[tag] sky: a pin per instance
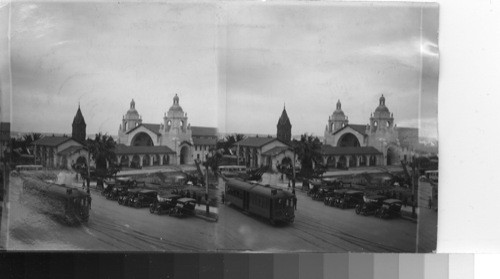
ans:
(233, 65)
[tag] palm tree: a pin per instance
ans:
(101, 148)
(228, 142)
(308, 150)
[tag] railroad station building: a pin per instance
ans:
(380, 142)
(173, 141)
(63, 151)
(268, 151)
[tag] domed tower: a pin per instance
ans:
(130, 120)
(337, 120)
(176, 132)
(175, 119)
(79, 126)
(284, 128)
(382, 119)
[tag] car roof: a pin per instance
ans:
(147, 191)
(354, 192)
(392, 201)
(186, 200)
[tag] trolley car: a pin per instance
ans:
(69, 204)
(273, 204)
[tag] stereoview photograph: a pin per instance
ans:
(220, 126)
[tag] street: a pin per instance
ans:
(112, 227)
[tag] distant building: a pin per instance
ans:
(63, 151)
(173, 141)
(268, 151)
(378, 143)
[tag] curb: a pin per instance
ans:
(209, 219)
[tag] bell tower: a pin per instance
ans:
(284, 128)
(79, 126)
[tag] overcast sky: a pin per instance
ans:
(232, 65)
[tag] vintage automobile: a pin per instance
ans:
(126, 197)
(183, 207)
(314, 187)
(116, 192)
(333, 198)
(108, 188)
(163, 204)
(391, 208)
(350, 199)
(322, 193)
(370, 205)
(144, 198)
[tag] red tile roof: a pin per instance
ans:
(51, 141)
(204, 141)
(365, 150)
(203, 131)
(255, 141)
(129, 150)
(276, 150)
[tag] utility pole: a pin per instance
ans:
(413, 185)
(206, 187)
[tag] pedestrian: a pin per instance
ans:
(90, 202)
(223, 197)
(198, 199)
(295, 202)
(430, 202)
(405, 201)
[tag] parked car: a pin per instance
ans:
(163, 204)
(116, 192)
(144, 198)
(126, 197)
(333, 198)
(370, 205)
(350, 199)
(391, 208)
(184, 207)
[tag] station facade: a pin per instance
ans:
(172, 142)
(380, 142)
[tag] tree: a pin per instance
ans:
(101, 149)
(308, 150)
(213, 161)
(228, 142)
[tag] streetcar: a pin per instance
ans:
(68, 204)
(273, 204)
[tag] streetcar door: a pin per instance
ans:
(246, 200)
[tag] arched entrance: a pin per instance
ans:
(348, 140)
(136, 161)
(330, 161)
(166, 159)
(81, 161)
(392, 156)
(124, 162)
(342, 163)
(184, 156)
(142, 139)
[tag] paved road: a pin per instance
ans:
(113, 227)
